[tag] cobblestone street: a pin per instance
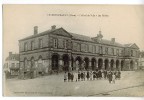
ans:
(131, 84)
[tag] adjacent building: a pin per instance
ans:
(11, 64)
(59, 50)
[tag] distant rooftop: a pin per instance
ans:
(12, 57)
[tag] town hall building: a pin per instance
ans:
(59, 50)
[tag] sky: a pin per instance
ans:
(125, 23)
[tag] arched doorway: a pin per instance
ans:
(93, 61)
(112, 64)
(122, 65)
(86, 63)
(40, 64)
(106, 64)
(117, 64)
(55, 65)
(131, 65)
(100, 63)
(66, 62)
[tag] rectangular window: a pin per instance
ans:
(106, 50)
(78, 47)
(117, 52)
(40, 43)
(112, 51)
(86, 47)
(17, 65)
(93, 49)
(13, 65)
(55, 43)
(65, 44)
(25, 47)
(131, 52)
(100, 49)
(32, 45)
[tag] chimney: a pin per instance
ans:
(10, 53)
(53, 27)
(35, 30)
(113, 40)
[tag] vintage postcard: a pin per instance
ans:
(73, 50)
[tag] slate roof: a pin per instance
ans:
(87, 38)
(128, 45)
(109, 42)
(13, 56)
(80, 37)
(39, 34)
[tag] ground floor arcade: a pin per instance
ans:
(57, 62)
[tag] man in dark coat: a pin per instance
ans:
(100, 74)
(97, 76)
(79, 75)
(105, 74)
(94, 75)
(119, 74)
(110, 76)
(88, 75)
(72, 76)
(82, 75)
(69, 76)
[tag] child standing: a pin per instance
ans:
(113, 78)
(65, 76)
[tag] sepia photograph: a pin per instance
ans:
(57, 50)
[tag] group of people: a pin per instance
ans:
(92, 75)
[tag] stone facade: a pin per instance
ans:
(59, 50)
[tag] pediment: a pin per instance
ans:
(61, 32)
(134, 46)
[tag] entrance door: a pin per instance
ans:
(65, 62)
(55, 62)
